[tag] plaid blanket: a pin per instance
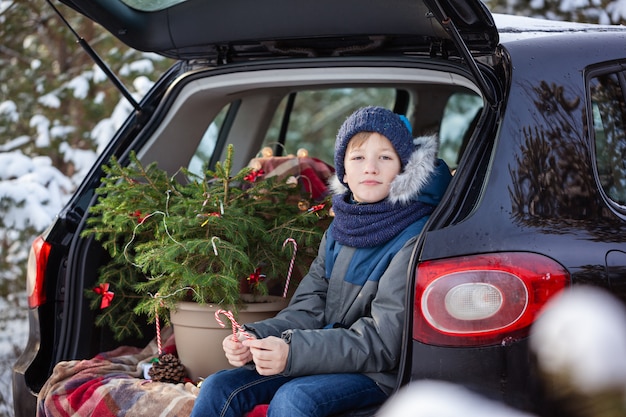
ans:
(112, 385)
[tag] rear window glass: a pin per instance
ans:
(609, 123)
(151, 5)
(205, 150)
(310, 119)
(457, 125)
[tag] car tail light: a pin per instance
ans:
(484, 299)
(35, 274)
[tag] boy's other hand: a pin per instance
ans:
(236, 353)
(269, 354)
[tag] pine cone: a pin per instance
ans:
(168, 369)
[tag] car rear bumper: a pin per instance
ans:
(503, 373)
(27, 369)
(24, 399)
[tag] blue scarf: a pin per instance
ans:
(369, 264)
(370, 225)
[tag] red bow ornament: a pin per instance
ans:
(252, 176)
(139, 216)
(107, 296)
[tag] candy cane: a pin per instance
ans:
(158, 332)
(157, 321)
(293, 259)
(236, 326)
(213, 239)
(158, 325)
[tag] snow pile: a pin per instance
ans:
(443, 399)
(582, 335)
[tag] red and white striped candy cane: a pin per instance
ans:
(158, 332)
(158, 325)
(236, 326)
(293, 259)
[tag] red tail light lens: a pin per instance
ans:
(484, 299)
(35, 274)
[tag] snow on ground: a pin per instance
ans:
(13, 337)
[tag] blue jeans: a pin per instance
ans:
(234, 392)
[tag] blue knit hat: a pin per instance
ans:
(374, 119)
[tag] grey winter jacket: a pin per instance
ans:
(334, 326)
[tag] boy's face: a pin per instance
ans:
(370, 166)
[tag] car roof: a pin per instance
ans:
(189, 29)
(513, 28)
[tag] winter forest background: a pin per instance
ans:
(58, 110)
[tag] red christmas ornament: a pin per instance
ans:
(316, 208)
(253, 175)
(256, 277)
(139, 217)
(107, 296)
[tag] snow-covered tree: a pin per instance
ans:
(606, 12)
(57, 109)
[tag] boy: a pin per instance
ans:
(337, 345)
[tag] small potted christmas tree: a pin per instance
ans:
(218, 240)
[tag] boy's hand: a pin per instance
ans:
(236, 353)
(269, 354)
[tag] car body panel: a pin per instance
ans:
(540, 196)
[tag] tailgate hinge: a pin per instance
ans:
(449, 26)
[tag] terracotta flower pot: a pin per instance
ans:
(199, 336)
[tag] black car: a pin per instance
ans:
(531, 117)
